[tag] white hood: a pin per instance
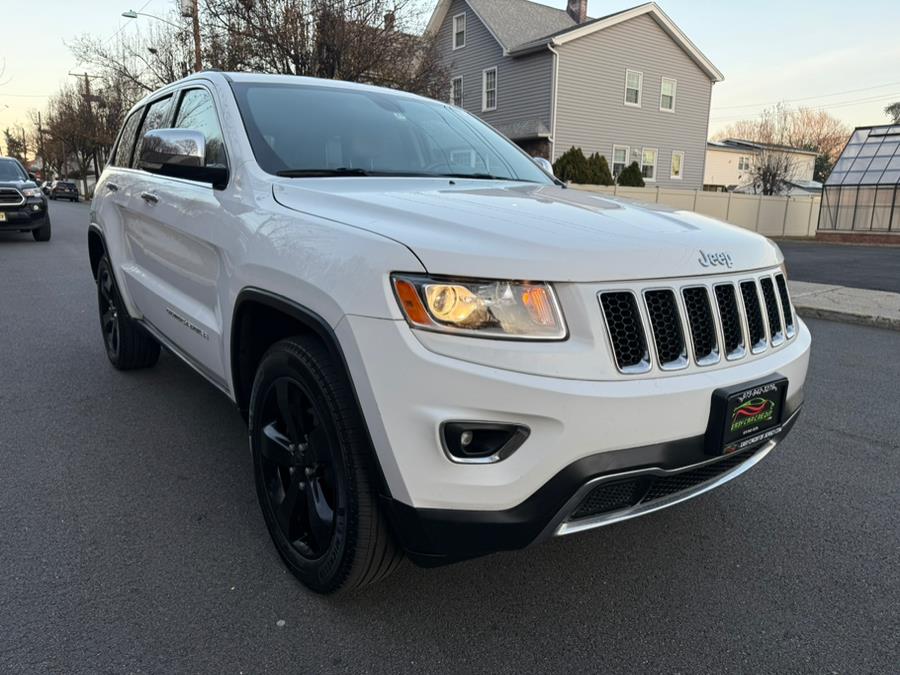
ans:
(477, 228)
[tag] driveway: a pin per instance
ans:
(874, 267)
(131, 540)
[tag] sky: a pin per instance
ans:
(838, 56)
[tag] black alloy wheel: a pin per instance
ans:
(109, 311)
(303, 483)
(128, 345)
(315, 470)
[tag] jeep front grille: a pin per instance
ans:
(672, 327)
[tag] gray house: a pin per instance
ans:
(629, 85)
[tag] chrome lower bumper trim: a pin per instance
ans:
(561, 526)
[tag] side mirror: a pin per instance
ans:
(544, 164)
(32, 177)
(180, 153)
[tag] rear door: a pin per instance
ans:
(175, 231)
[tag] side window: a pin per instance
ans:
(198, 112)
(156, 117)
(126, 140)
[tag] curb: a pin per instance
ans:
(862, 307)
(848, 317)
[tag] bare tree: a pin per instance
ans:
(772, 171)
(893, 111)
(802, 128)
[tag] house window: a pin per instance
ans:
(634, 82)
(667, 94)
(743, 163)
(489, 92)
(459, 31)
(677, 165)
(620, 158)
(648, 163)
(456, 91)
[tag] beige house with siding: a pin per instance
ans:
(729, 163)
(630, 85)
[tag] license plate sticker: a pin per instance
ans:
(746, 415)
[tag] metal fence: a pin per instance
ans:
(771, 216)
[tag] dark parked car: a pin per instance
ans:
(23, 206)
(61, 189)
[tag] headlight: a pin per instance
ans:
(516, 310)
(32, 192)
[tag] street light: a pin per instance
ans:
(194, 14)
(131, 14)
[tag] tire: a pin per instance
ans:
(314, 471)
(128, 345)
(43, 232)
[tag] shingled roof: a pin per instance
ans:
(522, 26)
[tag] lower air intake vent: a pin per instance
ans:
(626, 332)
(622, 494)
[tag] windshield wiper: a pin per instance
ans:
(483, 176)
(321, 173)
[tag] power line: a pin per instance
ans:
(808, 98)
(827, 106)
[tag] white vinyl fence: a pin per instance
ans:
(771, 216)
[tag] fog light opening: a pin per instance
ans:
(481, 442)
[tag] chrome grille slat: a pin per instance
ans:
(786, 309)
(702, 325)
(666, 326)
(625, 328)
(756, 329)
(730, 319)
(773, 311)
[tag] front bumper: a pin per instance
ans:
(24, 217)
(671, 473)
(580, 430)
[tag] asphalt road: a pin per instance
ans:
(873, 267)
(131, 541)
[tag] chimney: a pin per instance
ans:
(577, 9)
(390, 21)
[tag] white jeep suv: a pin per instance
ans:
(439, 349)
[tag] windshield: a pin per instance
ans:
(10, 170)
(308, 130)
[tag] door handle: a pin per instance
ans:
(149, 197)
(112, 187)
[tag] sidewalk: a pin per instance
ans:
(850, 305)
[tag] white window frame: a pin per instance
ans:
(484, 89)
(640, 89)
(455, 31)
(672, 175)
(674, 93)
(655, 164)
(462, 91)
(627, 150)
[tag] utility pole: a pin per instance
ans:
(41, 147)
(89, 98)
(191, 8)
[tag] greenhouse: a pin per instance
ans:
(862, 194)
